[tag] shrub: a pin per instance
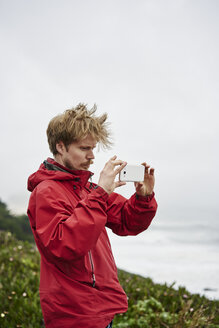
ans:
(150, 305)
(19, 283)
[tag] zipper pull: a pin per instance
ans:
(94, 280)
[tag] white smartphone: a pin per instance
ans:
(132, 173)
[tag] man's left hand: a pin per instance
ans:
(146, 187)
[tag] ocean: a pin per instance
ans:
(184, 252)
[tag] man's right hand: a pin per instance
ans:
(108, 175)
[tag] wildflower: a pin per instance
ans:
(2, 315)
(15, 248)
(191, 310)
(9, 297)
(11, 259)
(13, 293)
(24, 294)
(138, 289)
(185, 296)
(19, 247)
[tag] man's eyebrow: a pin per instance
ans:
(87, 146)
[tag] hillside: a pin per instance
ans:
(150, 305)
(17, 224)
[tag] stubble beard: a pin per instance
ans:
(86, 165)
(83, 166)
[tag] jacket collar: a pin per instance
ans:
(79, 176)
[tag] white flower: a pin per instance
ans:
(24, 294)
(2, 315)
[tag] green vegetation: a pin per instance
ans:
(150, 305)
(19, 283)
(156, 305)
(17, 224)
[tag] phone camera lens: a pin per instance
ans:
(124, 172)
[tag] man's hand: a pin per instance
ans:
(108, 175)
(146, 187)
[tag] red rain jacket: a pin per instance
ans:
(78, 280)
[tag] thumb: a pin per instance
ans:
(119, 183)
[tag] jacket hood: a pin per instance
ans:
(51, 170)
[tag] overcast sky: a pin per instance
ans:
(152, 65)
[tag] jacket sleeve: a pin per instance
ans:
(130, 216)
(65, 231)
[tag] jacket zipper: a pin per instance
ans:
(92, 268)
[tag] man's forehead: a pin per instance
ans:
(89, 141)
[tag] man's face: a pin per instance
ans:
(78, 155)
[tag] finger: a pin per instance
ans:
(152, 171)
(118, 162)
(119, 184)
(119, 169)
(146, 167)
(110, 160)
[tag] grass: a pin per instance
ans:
(160, 305)
(150, 304)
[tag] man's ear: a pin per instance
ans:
(60, 147)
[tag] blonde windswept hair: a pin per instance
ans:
(75, 124)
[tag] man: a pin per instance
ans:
(78, 281)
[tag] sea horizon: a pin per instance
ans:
(179, 253)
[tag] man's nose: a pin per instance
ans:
(90, 155)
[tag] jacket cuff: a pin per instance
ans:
(147, 198)
(102, 192)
